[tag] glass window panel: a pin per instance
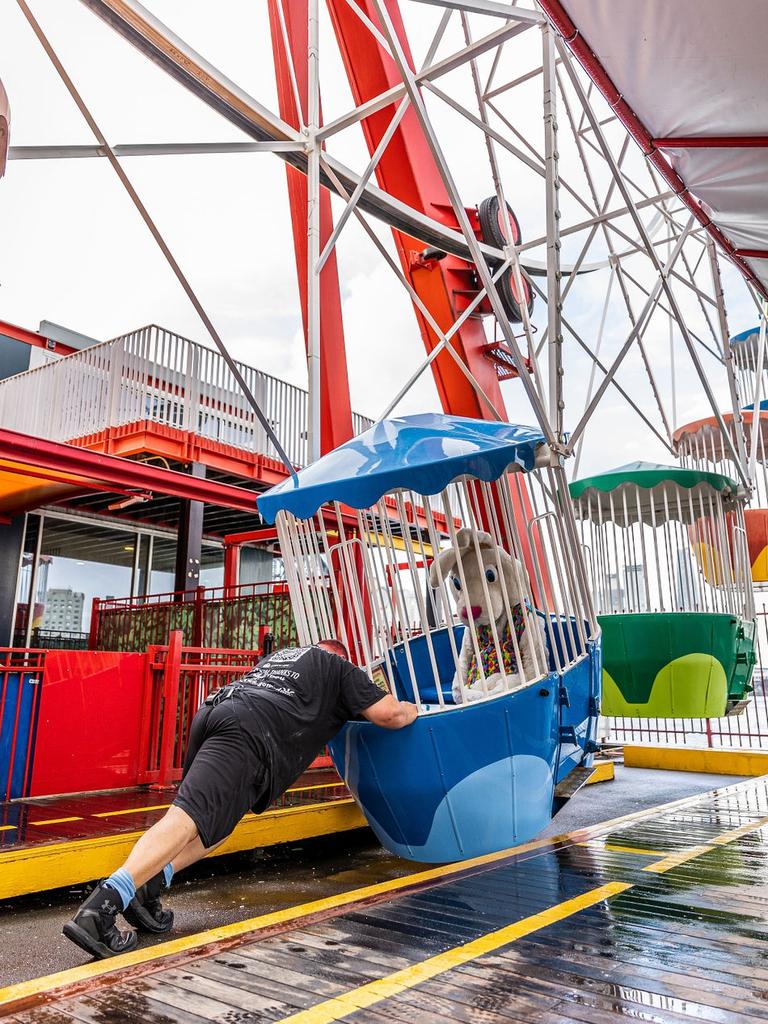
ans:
(80, 561)
(212, 566)
(163, 573)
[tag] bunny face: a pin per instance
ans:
(493, 573)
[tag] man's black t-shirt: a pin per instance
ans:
(296, 700)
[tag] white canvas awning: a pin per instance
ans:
(688, 79)
(5, 121)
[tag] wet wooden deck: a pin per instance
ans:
(660, 917)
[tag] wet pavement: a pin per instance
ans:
(241, 886)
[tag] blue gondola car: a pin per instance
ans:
(358, 532)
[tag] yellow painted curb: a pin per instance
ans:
(603, 771)
(51, 865)
(720, 761)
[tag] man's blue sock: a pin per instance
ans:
(122, 882)
(168, 874)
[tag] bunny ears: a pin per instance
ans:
(464, 548)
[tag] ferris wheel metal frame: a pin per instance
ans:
(408, 183)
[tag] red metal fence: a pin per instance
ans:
(748, 729)
(179, 678)
(235, 618)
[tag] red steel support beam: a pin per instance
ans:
(752, 254)
(95, 471)
(335, 406)
(589, 60)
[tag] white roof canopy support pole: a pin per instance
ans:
(757, 396)
(313, 232)
(512, 256)
(554, 301)
(733, 384)
(661, 270)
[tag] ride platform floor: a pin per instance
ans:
(657, 916)
(55, 841)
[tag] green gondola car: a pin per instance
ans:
(672, 585)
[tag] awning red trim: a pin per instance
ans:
(98, 472)
(591, 64)
(712, 142)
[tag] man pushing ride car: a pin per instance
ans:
(248, 743)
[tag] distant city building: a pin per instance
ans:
(63, 610)
(687, 573)
(634, 581)
(628, 593)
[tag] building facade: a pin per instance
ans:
(152, 396)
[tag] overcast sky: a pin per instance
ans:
(73, 250)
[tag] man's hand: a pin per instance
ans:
(390, 713)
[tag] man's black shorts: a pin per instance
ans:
(223, 775)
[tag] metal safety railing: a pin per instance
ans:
(749, 729)
(179, 678)
(157, 376)
(235, 618)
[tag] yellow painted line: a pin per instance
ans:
(720, 761)
(603, 771)
(55, 821)
(49, 983)
(674, 860)
(6, 828)
(634, 849)
(308, 789)
(383, 988)
(163, 807)
(682, 856)
(130, 810)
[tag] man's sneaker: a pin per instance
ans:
(145, 911)
(93, 926)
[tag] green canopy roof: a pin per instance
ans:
(647, 475)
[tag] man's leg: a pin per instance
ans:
(161, 845)
(93, 927)
(145, 911)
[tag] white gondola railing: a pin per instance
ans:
(669, 567)
(153, 375)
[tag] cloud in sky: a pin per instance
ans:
(74, 251)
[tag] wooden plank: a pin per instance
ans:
(127, 1006)
(271, 1006)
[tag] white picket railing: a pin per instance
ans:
(153, 374)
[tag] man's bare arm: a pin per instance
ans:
(390, 713)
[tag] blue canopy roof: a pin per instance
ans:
(420, 453)
(751, 332)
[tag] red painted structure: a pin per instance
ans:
(79, 470)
